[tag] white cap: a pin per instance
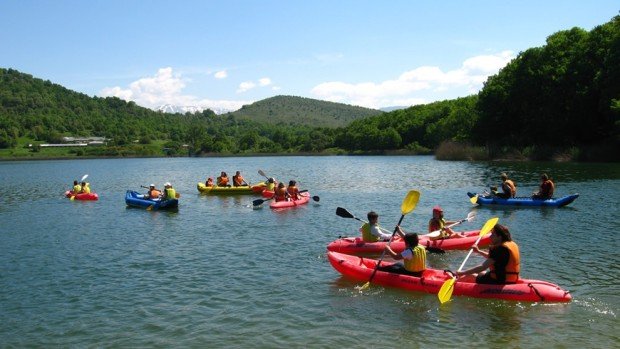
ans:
(152, 185)
(167, 184)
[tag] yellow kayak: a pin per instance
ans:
(215, 190)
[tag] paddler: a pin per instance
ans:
(238, 180)
(509, 188)
(222, 180)
(292, 190)
(502, 260)
(546, 189)
(169, 192)
(271, 184)
(281, 194)
(209, 182)
(439, 223)
(85, 188)
(371, 232)
(77, 188)
(153, 193)
(414, 257)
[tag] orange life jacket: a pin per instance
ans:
(154, 194)
(222, 181)
(238, 180)
(293, 192)
(280, 194)
(514, 263)
(513, 188)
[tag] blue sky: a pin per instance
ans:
(223, 54)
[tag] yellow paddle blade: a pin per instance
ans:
(72, 197)
(149, 208)
(445, 292)
(365, 286)
(488, 226)
(410, 201)
(474, 199)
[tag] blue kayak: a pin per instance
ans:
(524, 201)
(136, 199)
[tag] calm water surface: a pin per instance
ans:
(219, 274)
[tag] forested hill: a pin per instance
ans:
(291, 110)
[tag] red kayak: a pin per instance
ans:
(355, 245)
(304, 198)
(360, 269)
(267, 193)
(82, 196)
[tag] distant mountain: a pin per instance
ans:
(169, 108)
(389, 109)
(291, 110)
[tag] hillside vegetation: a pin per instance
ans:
(558, 101)
(290, 110)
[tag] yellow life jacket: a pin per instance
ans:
(514, 263)
(86, 188)
(416, 263)
(170, 193)
(367, 235)
(270, 186)
(77, 189)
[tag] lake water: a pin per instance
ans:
(218, 273)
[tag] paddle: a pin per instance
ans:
(445, 292)
(474, 199)
(342, 212)
(470, 217)
(81, 180)
(260, 172)
(261, 201)
(409, 203)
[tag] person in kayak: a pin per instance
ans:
(222, 180)
(509, 188)
(293, 191)
(209, 182)
(439, 223)
(281, 194)
(371, 232)
(502, 260)
(77, 188)
(238, 180)
(414, 257)
(169, 192)
(271, 184)
(153, 193)
(546, 189)
(85, 188)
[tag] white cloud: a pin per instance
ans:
(166, 88)
(411, 85)
(245, 86)
(264, 82)
(222, 74)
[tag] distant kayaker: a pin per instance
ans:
(222, 180)
(238, 180)
(85, 188)
(209, 182)
(509, 188)
(414, 257)
(169, 192)
(271, 184)
(439, 223)
(293, 191)
(546, 189)
(281, 194)
(153, 193)
(371, 232)
(77, 188)
(502, 260)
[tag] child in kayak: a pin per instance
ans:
(439, 223)
(292, 190)
(414, 257)
(280, 194)
(371, 232)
